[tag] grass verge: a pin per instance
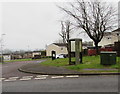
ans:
(89, 62)
(29, 59)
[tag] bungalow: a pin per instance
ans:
(27, 54)
(36, 54)
(16, 56)
(7, 57)
(59, 48)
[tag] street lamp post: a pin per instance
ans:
(2, 48)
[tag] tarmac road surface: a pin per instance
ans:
(80, 84)
(10, 69)
(36, 83)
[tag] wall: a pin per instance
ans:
(108, 40)
(36, 53)
(7, 57)
(59, 50)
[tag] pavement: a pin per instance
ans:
(51, 70)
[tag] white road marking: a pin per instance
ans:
(57, 76)
(27, 76)
(72, 76)
(42, 75)
(39, 78)
(2, 78)
(10, 80)
(13, 77)
(25, 79)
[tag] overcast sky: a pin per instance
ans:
(30, 25)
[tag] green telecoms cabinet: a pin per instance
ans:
(108, 57)
(75, 46)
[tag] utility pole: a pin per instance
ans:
(2, 59)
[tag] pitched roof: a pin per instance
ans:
(36, 51)
(109, 45)
(60, 44)
(113, 32)
(118, 30)
(6, 54)
(28, 52)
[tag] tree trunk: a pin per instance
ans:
(97, 48)
(68, 49)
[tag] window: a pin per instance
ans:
(108, 37)
(61, 48)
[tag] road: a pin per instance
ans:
(10, 69)
(79, 84)
(15, 81)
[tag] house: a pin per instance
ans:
(110, 37)
(16, 56)
(27, 54)
(117, 32)
(36, 54)
(7, 57)
(43, 53)
(59, 48)
(86, 44)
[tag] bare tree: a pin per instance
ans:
(93, 17)
(59, 41)
(65, 32)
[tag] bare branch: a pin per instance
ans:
(94, 18)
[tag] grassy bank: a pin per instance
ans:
(29, 59)
(89, 62)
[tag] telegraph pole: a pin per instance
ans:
(2, 59)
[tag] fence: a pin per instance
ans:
(93, 51)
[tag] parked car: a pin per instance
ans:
(61, 56)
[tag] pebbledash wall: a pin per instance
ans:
(110, 38)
